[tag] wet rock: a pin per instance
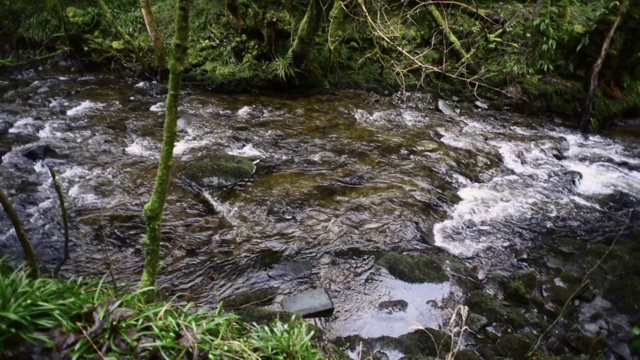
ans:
(289, 270)
(488, 305)
(218, 170)
(4, 127)
(479, 272)
(393, 306)
(423, 342)
(584, 344)
(259, 297)
(413, 269)
(184, 121)
(476, 322)
(39, 152)
(559, 289)
(446, 109)
(521, 287)
(310, 303)
(481, 105)
(427, 146)
(466, 355)
(513, 346)
(622, 349)
(43, 90)
(486, 352)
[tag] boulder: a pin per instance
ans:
(39, 152)
(310, 303)
(218, 170)
(414, 269)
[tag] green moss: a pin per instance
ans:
(413, 269)
(218, 170)
(489, 306)
(520, 287)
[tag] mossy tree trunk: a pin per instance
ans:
(435, 14)
(150, 22)
(123, 35)
(27, 248)
(309, 26)
(585, 116)
(154, 208)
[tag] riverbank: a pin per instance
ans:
(399, 211)
(86, 318)
(535, 57)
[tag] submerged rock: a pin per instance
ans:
(393, 306)
(310, 303)
(414, 269)
(290, 270)
(4, 127)
(218, 170)
(513, 346)
(257, 297)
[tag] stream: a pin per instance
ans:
(342, 179)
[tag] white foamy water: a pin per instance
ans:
(159, 107)
(247, 150)
(25, 126)
(84, 108)
(143, 147)
(557, 173)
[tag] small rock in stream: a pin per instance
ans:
(481, 105)
(39, 152)
(446, 109)
(310, 303)
(218, 170)
(393, 306)
(4, 127)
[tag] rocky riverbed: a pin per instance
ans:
(400, 212)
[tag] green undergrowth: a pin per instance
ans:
(88, 319)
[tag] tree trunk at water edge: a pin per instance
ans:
(585, 116)
(154, 208)
(309, 27)
(150, 22)
(127, 40)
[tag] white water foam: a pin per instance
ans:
(84, 108)
(540, 184)
(143, 147)
(247, 150)
(159, 107)
(25, 126)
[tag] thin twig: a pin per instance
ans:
(65, 220)
(92, 344)
(583, 283)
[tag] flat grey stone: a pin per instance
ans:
(309, 303)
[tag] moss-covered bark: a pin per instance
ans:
(153, 209)
(150, 22)
(585, 117)
(309, 27)
(132, 46)
(450, 35)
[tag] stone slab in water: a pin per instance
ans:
(310, 303)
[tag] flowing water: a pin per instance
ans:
(341, 179)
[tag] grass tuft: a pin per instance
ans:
(86, 319)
